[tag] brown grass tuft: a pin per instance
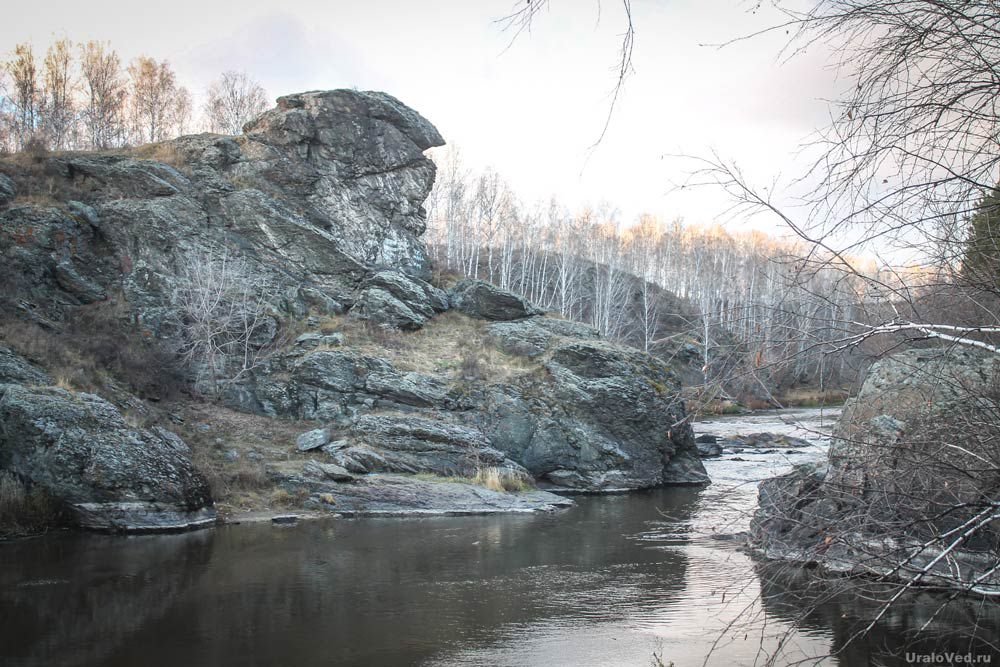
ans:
(498, 478)
(24, 511)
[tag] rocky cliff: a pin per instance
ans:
(328, 319)
(910, 488)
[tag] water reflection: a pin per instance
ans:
(607, 582)
(843, 608)
(354, 592)
(72, 599)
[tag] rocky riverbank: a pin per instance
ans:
(908, 492)
(337, 373)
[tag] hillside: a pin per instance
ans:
(250, 318)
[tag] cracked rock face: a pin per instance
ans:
(905, 465)
(319, 195)
(111, 475)
(599, 418)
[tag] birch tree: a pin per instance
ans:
(233, 100)
(25, 97)
(104, 96)
(59, 96)
(158, 106)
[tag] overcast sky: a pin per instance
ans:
(532, 110)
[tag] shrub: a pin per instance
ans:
(502, 478)
(23, 510)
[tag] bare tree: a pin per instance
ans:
(158, 106)
(7, 143)
(234, 99)
(524, 15)
(914, 143)
(59, 121)
(223, 314)
(25, 97)
(104, 95)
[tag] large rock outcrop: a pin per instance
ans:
(912, 465)
(317, 211)
(596, 417)
(82, 452)
(578, 413)
(317, 196)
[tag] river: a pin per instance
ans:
(620, 579)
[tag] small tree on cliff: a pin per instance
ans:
(223, 315)
(104, 96)
(234, 99)
(25, 96)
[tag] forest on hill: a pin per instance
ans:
(745, 315)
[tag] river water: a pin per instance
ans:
(621, 579)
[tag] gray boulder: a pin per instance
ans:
(339, 371)
(311, 341)
(399, 301)
(762, 441)
(601, 418)
(333, 385)
(531, 337)
(313, 439)
(413, 389)
(485, 301)
(385, 443)
(329, 471)
(708, 450)
(905, 466)
(80, 449)
(378, 305)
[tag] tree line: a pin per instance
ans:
(760, 313)
(84, 97)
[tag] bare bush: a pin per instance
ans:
(500, 478)
(24, 510)
(234, 99)
(224, 316)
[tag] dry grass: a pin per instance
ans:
(36, 184)
(164, 151)
(813, 398)
(64, 382)
(260, 444)
(497, 478)
(233, 483)
(39, 183)
(24, 511)
(451, 345)
(97, 347)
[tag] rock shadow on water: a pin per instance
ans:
(920, 623)
(78, 599)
